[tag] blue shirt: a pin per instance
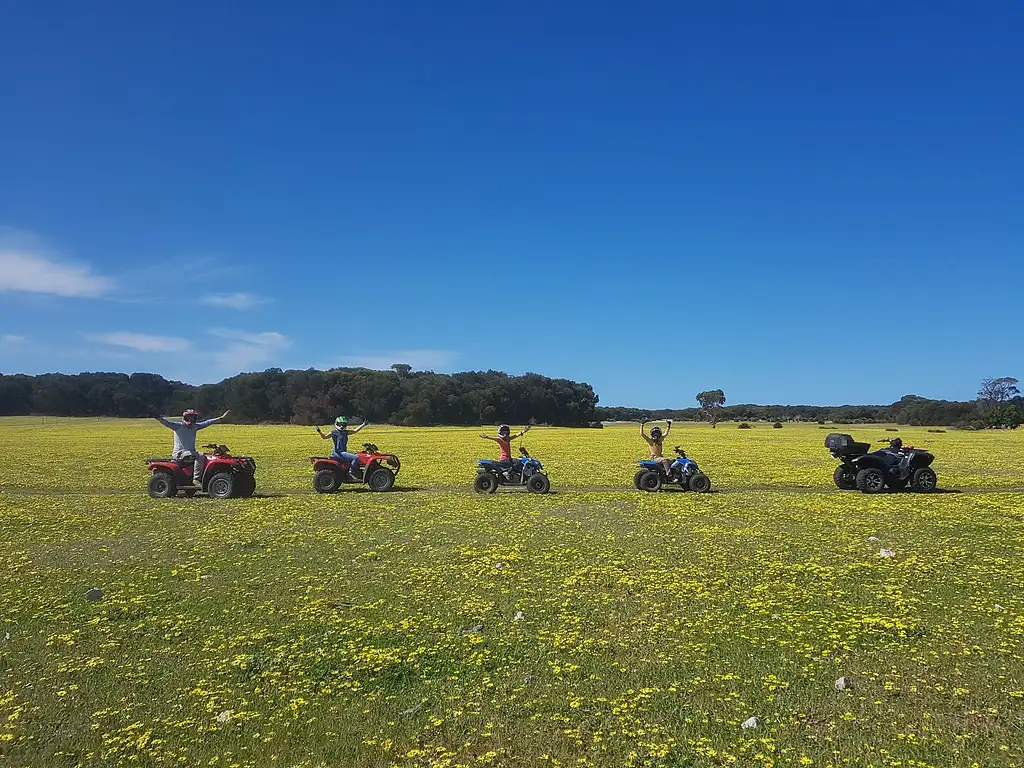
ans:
(340, 438)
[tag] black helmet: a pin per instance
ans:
(503, 430)
(655, 432)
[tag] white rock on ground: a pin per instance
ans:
(224, 716)
(751, 722)
(519, 616)
(886, 553)
(844, 684)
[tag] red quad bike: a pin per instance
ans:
(332, 473)
(225, 476)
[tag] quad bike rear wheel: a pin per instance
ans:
(650, 481)
(636, 479)
(871, 480)
(700, 483)
(221, 485)
(485, 482)
(326, 481)
(538, 483)
(845, 478)
(924, 480)
(245, 486)
(162, 485)
(381, 479)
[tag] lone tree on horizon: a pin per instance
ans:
(710, 402)
(995, 392)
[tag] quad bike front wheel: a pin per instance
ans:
(924, 480)
(636, 479)
(870, 480)
(245, 486)
(221, 485)
(845, 478)
(381, 479)
(650, 481)
(326, 481)
(162, 485)
(485, 482)
(700, 483)
(538, 483)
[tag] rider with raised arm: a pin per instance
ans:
(504, 441)
(185, 440)
(656, 441)
(340, 435)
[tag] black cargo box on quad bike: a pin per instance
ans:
(844, 445)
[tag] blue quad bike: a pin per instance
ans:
(683, 472)
(525, 471)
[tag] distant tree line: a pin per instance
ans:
(399, 396)
(999, 405)
(416, 398)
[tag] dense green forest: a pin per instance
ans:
(403, 396)
(399, 396)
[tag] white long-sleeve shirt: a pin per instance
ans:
(185, 434)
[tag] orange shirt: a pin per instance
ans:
(505, 446)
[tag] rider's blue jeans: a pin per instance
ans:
(349, 457)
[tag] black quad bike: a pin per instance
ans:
(894, 467)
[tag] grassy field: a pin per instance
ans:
(429, 626)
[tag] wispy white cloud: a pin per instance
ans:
(142, 342)
(264, 339)
(12, 338)
(419, 359)
(27, 265)
(245, 350)
(236, 351)
(239, 301)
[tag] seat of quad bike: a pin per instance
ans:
(184, 462)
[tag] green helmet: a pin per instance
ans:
(341, 421)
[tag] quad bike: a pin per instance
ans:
(224, 476)
(894, 467)
(525, 470)
(683, 472)
(331, 474)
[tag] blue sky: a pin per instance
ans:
(797, 202)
